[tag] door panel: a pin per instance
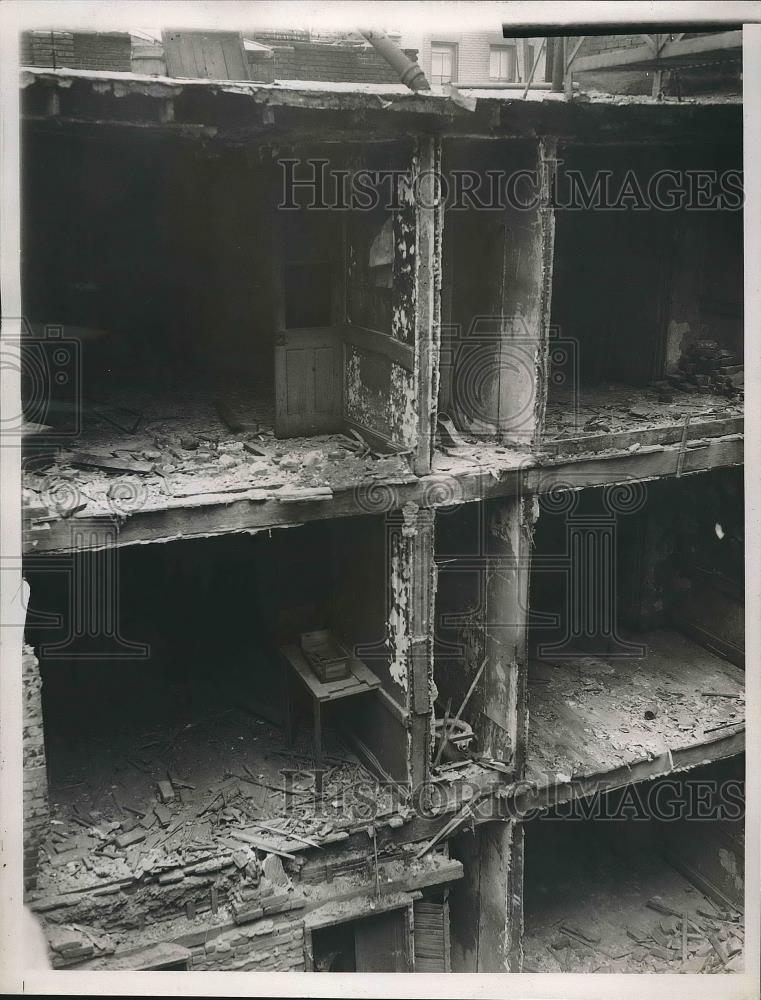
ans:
(297, 396)
(308, 387)
(326, 385)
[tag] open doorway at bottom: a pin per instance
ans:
(408, 938)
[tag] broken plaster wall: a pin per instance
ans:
(381, 295)
(379, 397)
(500, 259)
(36, 811)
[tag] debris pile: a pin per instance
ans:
(139, 820)
(708, 941)
(71, 944)
(704, 939)
(706, 366)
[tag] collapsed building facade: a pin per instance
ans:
(485, 457)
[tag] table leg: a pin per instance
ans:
(317, 730)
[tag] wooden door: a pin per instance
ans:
(308, 383)
(432, 936)
(381, 944)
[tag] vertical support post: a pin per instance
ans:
(36, 810)
(547, 165)
(413, 593)
(486, 906)
(500, 921)
(657, 72)
(503, 722)
(428, 223)
(549, 59)
(558, 65)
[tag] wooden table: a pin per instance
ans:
(361, 680)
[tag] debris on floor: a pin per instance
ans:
(184, 452)
(588, 715)
(590, 910)
(614, 409)
(159, 803)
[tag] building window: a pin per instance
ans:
(443, 62)
(502, 62)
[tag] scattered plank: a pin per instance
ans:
(87, 461)
(260, 844)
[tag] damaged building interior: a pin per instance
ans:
(379, 551)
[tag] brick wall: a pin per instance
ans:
(304, 61)
(36, 815)
(594, 44)
(274, 944)
(77, 50)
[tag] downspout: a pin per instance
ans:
(409, 72)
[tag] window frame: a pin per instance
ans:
(510, 52)
(452, 49)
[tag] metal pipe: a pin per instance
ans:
(572, 30)
(409, 72)
(505, 85)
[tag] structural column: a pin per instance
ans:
(486, 906)
(502, 729)
(413, 585)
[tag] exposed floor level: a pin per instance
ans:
(586, 909)
(619, 417)
(188, 447)
(604, 721)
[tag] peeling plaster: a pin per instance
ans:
(399, 635)
(390, 412)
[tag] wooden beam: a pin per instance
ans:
(247, 515)
(527, 798)
(575, 52)
(622, 440)
(642, 55)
